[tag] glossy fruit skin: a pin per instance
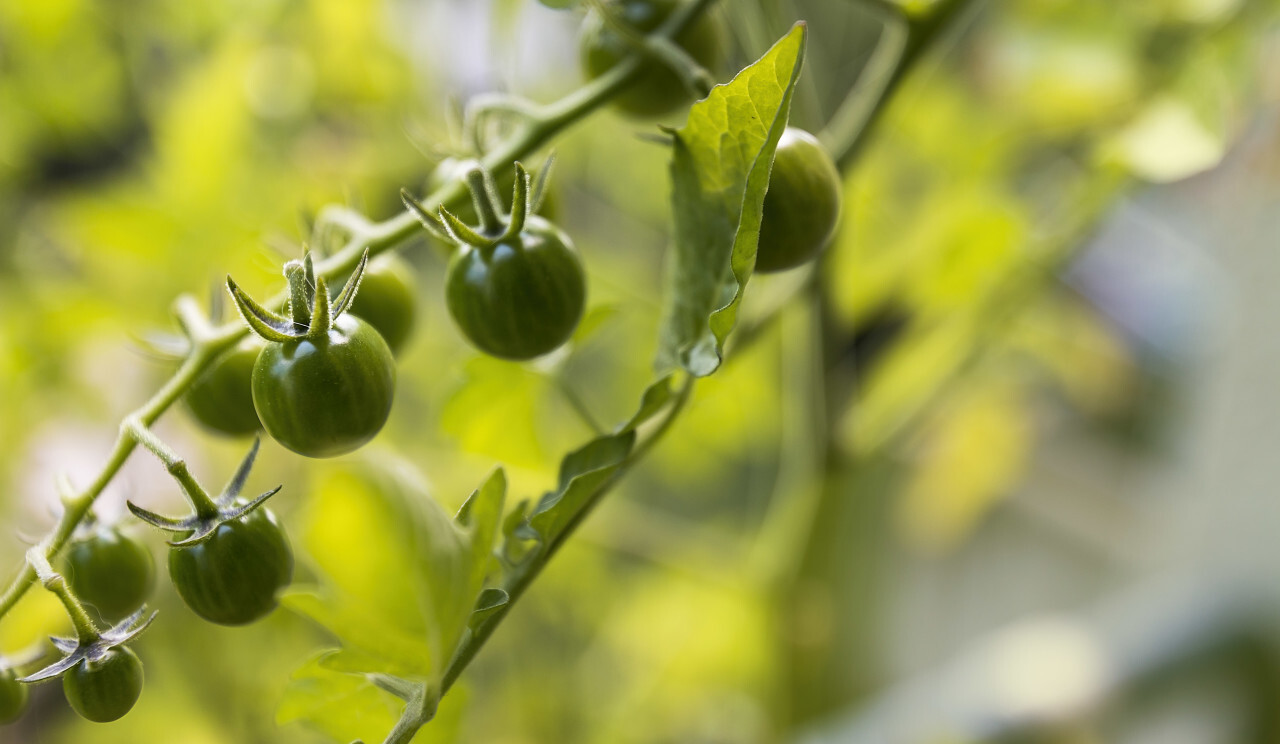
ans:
(105, 690)
(110, 571)
(521, 298)
(13, 697)
(232, 577)
(657, 90)
(326, 398)
(802, 205)
(222, 398)
(386, 300)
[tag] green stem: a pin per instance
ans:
(79, 506)
(200, 500)
(299, 302)
(417, 713)
(660, 49)
(86, 630)
(482, 196)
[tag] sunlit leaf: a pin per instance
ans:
(400, 578)
(720, 172)
(582, 473)
(495, 412)
(344, 706)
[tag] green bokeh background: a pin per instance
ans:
(1027, 434)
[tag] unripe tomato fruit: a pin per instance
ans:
(520, 298)
(232, 577)
(110, 571)
(13, 697)
(802, 205)
(657, 90)
(221, 399)
(104, 690)
(386, 299)
(328, 397)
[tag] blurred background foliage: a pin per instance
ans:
(1038, 377)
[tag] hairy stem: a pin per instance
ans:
(199, 499)
(86, 630)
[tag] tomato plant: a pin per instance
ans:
(788, 463)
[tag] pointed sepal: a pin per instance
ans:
(348, 293)
(229, 507)
(542, 184)
(75, 651)
(460, 233)
(262, 321)
(429, 221)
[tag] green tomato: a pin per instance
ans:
(13, 697)
(222, 398)
(386, 299)
(104, 690)
(802, 205)
(520, 298)
(329, 397)
(110, 571)
(657, 90)
(232, 577)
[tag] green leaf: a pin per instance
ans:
(344, 706)
(491, 600)
(654, 399)
(378, 640)
(481, 517)
(400, 578)
(495, 412)
(720, 171)
(582, 473)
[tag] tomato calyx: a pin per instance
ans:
(311, 313)
(209, 513)
(495, 227)
(92, 649)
